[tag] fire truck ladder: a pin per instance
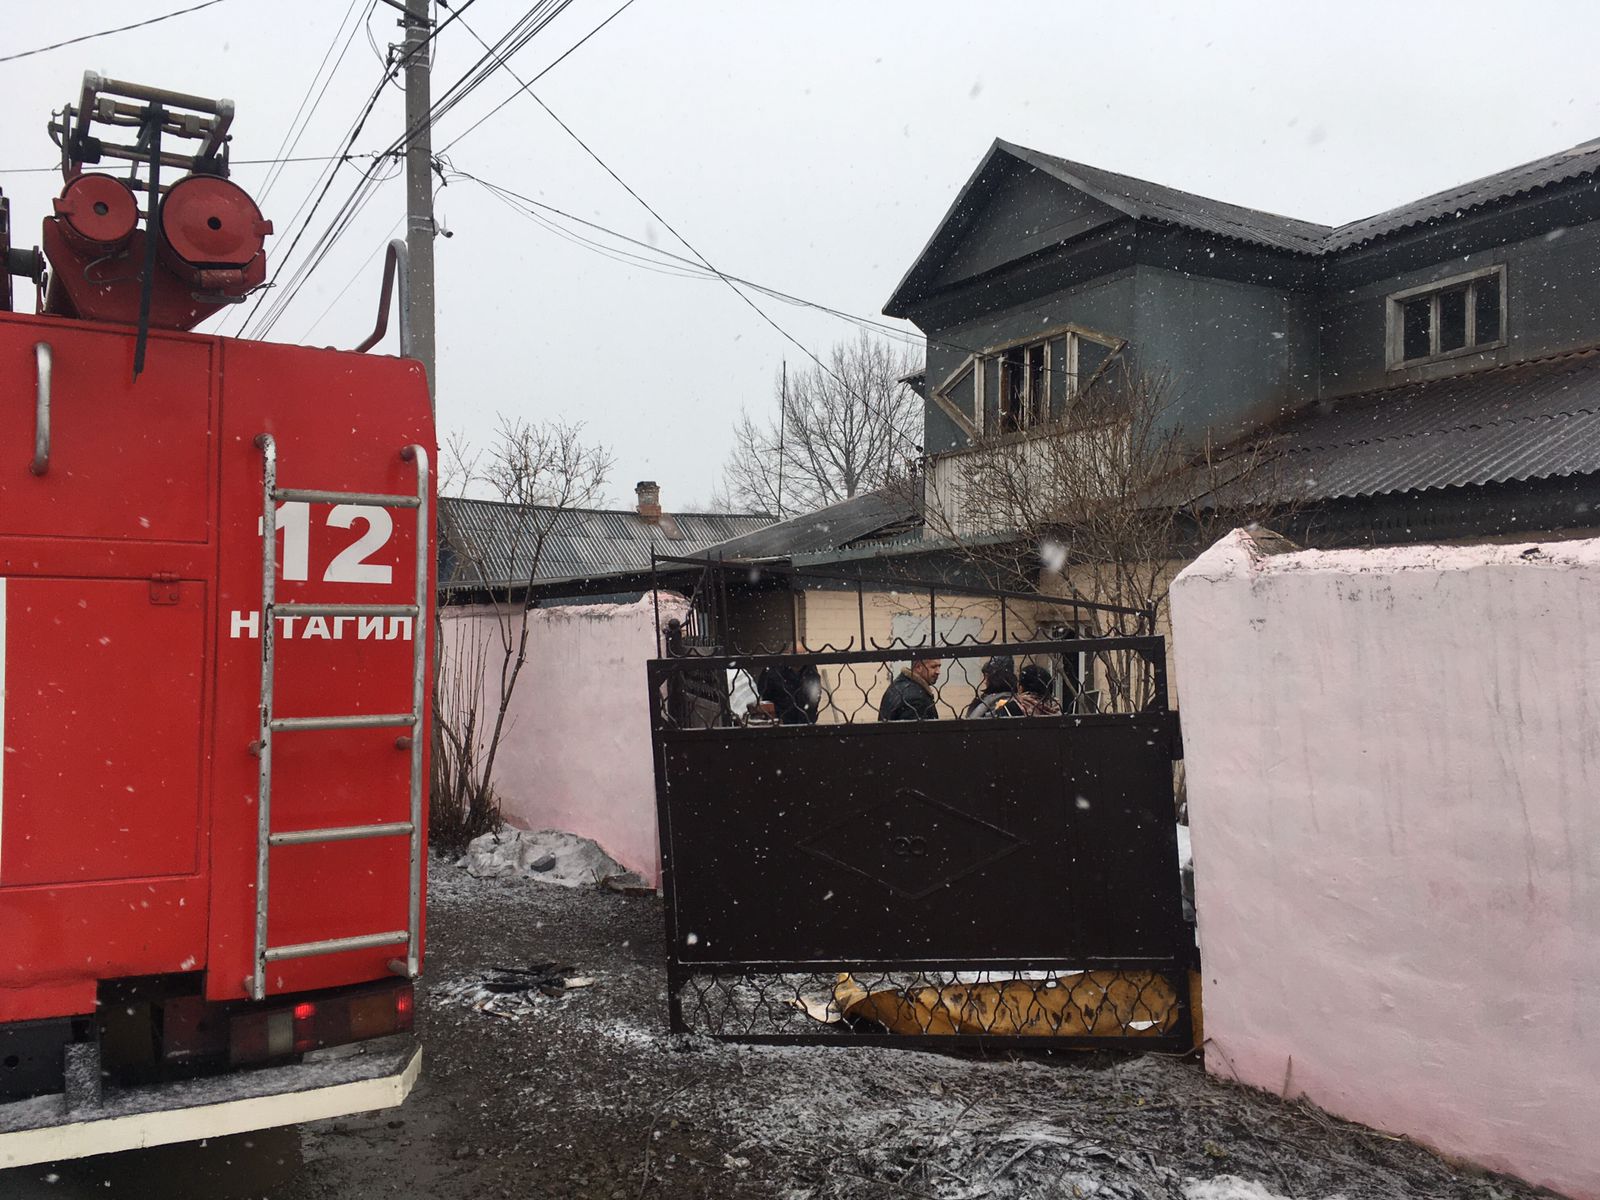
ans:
(271, 610)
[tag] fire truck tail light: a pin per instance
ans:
(381, 1013)
(330, 1020)
(305, 1034)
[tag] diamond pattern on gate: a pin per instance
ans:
(912, 844)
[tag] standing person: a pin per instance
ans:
(997, 694)
(1036, 696)
(910, 696)
(790, 693)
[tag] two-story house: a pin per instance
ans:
(1428, 373)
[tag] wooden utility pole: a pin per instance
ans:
(783, 419)
(419, 185)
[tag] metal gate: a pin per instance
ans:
(958, 880)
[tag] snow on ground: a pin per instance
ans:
(590, 1098)
(548, 856)
(1228, 1187)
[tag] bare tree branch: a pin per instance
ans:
(845, 430)
(537, 471)
(1107, 501)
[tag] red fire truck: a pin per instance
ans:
(215, 599)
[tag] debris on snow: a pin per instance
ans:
(577, 1077)
(549, 856)
(627, 884)
(513, 991)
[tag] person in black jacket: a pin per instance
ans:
(997, 696)
(910, 696)
(793, 692)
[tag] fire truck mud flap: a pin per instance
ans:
(52, 1128)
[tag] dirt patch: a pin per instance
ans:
(585, 1095)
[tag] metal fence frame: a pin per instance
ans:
(1069, 734)
(706, 629)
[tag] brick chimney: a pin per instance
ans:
(649, 494)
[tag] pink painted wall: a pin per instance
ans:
(1394, 782)
(576, 755)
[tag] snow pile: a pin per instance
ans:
(549, 856)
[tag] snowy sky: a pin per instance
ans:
(810, 147)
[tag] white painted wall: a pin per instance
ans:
(576, 753)
(1394, 786)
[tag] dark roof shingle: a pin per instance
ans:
(1141, 199)
(487, 543)
(1528, 177)
(1535, 420)
(827, 529)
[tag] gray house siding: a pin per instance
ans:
(1032, 212)
(1234, 354)
(1552, 305)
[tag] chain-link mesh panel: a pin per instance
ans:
(1074, 678)
(1058, 1006)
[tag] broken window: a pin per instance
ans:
(1062, 374)
(1021, 386)
(1014, 378)
(1452, 317)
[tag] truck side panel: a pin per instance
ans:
(103, 804)
(130, 660)
(327, 553)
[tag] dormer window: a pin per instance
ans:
(1023, 385)
(1460, 315)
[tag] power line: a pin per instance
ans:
(350, 208)
(232, 162)
(691, 268)
(350, 283)
(285, 147)
(331, 175)
(507, 46)
(539, 76)
(529, 24)
(734, 287)
(390, 71)
(89, 37)
(521, 32)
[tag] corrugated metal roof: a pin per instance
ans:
(1553, 168)
(1531, 421)
(486, 543)
(1140, 198)
(827, 529)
